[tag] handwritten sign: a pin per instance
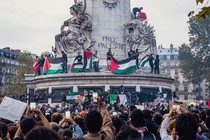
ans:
(12, 109)
(110, 42)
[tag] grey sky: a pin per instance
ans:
(32, 24)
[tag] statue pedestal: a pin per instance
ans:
(103, 81)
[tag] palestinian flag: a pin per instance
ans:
(144, 60)
(77, 68)
(74, 95)
(88, 60)
(123, 67)
(87, 64)
(121, 98)
(53, 65)
(36, 66)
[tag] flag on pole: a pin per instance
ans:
(125, 66)
(144, 60)
(53, 65)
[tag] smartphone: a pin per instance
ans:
(95, 97)
(174, 107)
(67, 114)
(32, 105)
(114, 113)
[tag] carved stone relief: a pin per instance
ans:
(75, 33)
(110, 3)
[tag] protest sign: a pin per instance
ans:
(12, 109)
(141, 107)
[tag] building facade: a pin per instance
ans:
(8, 66)
(170, 64)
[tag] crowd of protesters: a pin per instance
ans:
(105, 121)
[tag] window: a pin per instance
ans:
(185, 88)
(176, 71)
(164, 57)
(168, 57)
(175, 57)
(172, 57)
(168, 72)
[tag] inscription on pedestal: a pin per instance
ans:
(110, 42)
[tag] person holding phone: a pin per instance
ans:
(36, 98)
(78, 133)
(103, 126)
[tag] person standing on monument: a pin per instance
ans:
(96, 61)
(37, 96)
(41, 64)
(109, 55)
(65, 60)
(78, 58)
(36, 66)
(157, 63)
(137, 58)
(151, 63)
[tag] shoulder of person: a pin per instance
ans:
(149, 136)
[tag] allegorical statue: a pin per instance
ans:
(75, 33)
(140, 35)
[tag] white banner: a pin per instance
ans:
(12, 109)
(141, 107)
(123, 99)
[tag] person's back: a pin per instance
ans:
(137, 122)
(99, 125)
(186, 126)
(151, 125)
(42, 133)
(128, 133)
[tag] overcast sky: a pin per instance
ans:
(32, 24)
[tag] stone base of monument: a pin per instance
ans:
(51, 86)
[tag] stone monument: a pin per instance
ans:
(100, 25)
(103, 24)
